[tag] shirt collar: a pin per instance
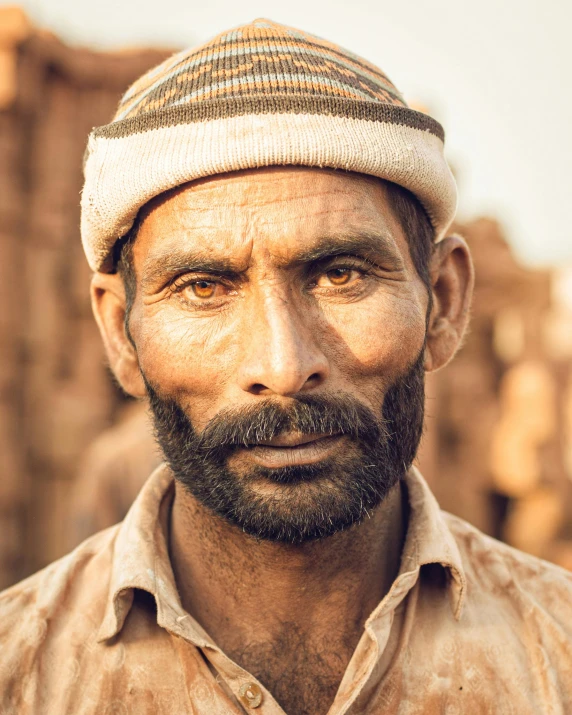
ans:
(141, 560)
(429, 539)
(141, 556)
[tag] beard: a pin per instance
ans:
(306, 502)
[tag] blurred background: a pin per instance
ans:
(498, 445)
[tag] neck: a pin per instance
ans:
(241, 589)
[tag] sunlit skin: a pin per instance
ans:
(272, 283)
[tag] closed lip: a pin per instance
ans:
(293, 439)
(294, 449)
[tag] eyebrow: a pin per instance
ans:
(179, 261)
(372, 246)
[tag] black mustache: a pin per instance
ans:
(324, 415)
(384, 444)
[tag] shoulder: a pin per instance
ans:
(511, 580)
(66, 597)
(47, 587)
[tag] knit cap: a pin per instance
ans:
(260, 95)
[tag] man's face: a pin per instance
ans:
(279, 324)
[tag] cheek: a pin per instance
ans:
(185, 356)
(375, 337)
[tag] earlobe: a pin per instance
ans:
(452, 279)
(108, 304)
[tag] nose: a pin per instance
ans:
(281, 355)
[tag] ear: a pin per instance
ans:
(452, 281)
(108, 303)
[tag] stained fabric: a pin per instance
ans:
(469, 625)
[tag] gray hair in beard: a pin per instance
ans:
(316, 500)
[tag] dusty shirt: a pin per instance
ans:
(469, 626)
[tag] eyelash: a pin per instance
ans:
(179, 283)
(363, 265)
(183, 281)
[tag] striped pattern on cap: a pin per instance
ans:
(259, 95)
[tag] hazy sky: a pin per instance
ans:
(496, 73)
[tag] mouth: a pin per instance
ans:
(294, 449)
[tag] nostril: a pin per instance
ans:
(314, 379)
(258, 388)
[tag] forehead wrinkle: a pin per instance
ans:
(303, 196)
(247, 231)
(270, 220)
(253, 189)
(246, 204)
(170, 241)
(369, 244)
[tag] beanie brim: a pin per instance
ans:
(131, 161)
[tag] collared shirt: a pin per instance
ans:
(469, 625)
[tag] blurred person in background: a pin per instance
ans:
(267, 222)
(111, 473)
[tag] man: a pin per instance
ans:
(267, 223)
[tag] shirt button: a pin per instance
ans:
(250, 694)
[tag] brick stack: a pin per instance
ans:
(499, 435)
(55, 395)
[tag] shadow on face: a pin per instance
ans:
(276, 286)
(275, 282)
